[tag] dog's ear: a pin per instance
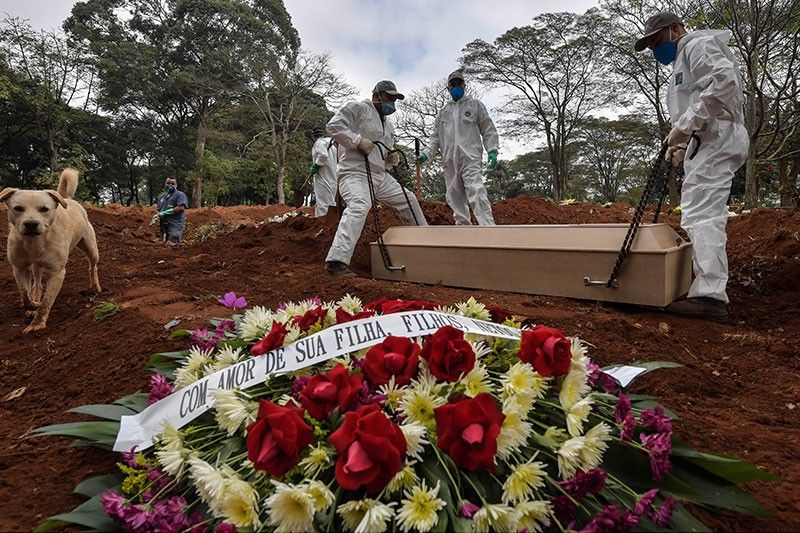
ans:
(6, 193)
(57, 197)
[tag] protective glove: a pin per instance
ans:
(154, 220)
(677, 138)
(365, 146)
(393, 159)
(314, 169)
(492, 159)
(166, 212)
(674, 155)
(422, 158)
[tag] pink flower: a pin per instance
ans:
(623, 408)
(203, 339)
(231, 301)
(113, 504)
(611, 519)
(160, 388)
(660, 447)
(664, 514)
(138, 516)
(645, 502)
(129, 457)
(563, 507)
(224, 326)
(468, 509)
(158, 478)
(656, 420)
(584, 483)
(224, 527)
(628, 428)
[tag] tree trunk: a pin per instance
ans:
(792, 179)
(672, 185)
(784, 183)
(53, 155)
(199, 150)
(750, 184)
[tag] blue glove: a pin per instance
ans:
(422, 157)
(492, 159)
(314, 169)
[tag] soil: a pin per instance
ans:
(738, 391)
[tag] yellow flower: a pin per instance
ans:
(473, 309)
(523, 481)
(419, 510)
(577, 415)
(476, 381)
(240, 504)
(317, 460)
(366, 516)
(522, 380)
(404, 479)
(210, 482)
(226, 357)
(393, 394)
(574, 387)
(596, 440)
(534, 516)
(232, 411)
(499, 518)
(569, 456)
(418, 404)
(290, 509)
(320, 494)
(514, 432)
(351, 304)
(193, 368)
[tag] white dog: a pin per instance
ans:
(44, 227)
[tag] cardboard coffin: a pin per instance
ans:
(553, 260)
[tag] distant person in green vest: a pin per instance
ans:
(462, 130)
(171, 212)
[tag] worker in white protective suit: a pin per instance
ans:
(323, 168)
(363, 129)
(704, 100)
(462, 130)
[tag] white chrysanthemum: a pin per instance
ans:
(514, 431)
(579, 353)
(366, 515)
(193, 368)
(419, 510)
(320, 493)
(392, 392)
(476, 381)
(290, 509)
(425, 381)
(210, 482)
(446, 309)
(255, 323)
(473, 309)
(240, 504)
(480, 347)
(522, 380)
(534, 516)
(414, 432)
(499, 518)
(233, 411)
(569, 456)
(404, 479)
(292, 334)
(577, 415)
(524, 479)
(351, 304)
(226, 357)
(172, 454)
(293, 309)
(574, 387)
(318, 459)
(595, 443)
(418, 404)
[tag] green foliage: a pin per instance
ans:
(105, 310)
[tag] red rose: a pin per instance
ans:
(547, 350)
(273, 340)
(311, 317)
(325, 392)
(448, 354)
(371, 449)
(498, 314)
(395, 356)
(468, 431)
(276, 438)
(386, 306)
(343, 316)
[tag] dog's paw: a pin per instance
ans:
(30, 312)
(31, 306)
(36, 326)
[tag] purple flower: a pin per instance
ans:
(611, 519)
(113, 504)
(563, 507)
(203, 339)
(656, 420)
(584, 483)
(231, 301)
(298, 385)
(622, 409)
(664, 514)
(468, 509)
(160, 388)
(660, 447)
(645, 502)
(628, 428)
(158, 478)
(593, 371)
(366, 397)
(224, 326)
(137, 516)
(129, 457)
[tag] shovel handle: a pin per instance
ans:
(419, 180)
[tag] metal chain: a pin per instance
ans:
(387, 263)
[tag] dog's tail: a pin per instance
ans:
(68, 183)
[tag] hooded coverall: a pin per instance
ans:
(461, 131)
(323, 154)
(705, 97)
(349, 125)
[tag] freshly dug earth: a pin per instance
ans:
(737, 392)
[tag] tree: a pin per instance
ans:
(555, 74)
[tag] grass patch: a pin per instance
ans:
(105, 310)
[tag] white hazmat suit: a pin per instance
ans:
(355, 121)
(323, 154)
(705, 96)
(461, 131)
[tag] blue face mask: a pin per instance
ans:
(387, 108)
(456, 92)
(665, 53)
(170, 189)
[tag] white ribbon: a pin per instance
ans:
(186, 404)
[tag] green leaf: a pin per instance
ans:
(442, 523)
(107, 411)
(101, 434)
(460, 524)
(96, 485)
(136, 401)
(179, 332)
(683, 520)
(727, 467)
(88, 514)
(650, 404)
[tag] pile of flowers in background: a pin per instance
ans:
(447, 432)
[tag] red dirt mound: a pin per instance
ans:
(737, 392)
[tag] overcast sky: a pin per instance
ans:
(411, 42)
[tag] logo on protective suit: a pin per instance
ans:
(678, 78)
(468, 114)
